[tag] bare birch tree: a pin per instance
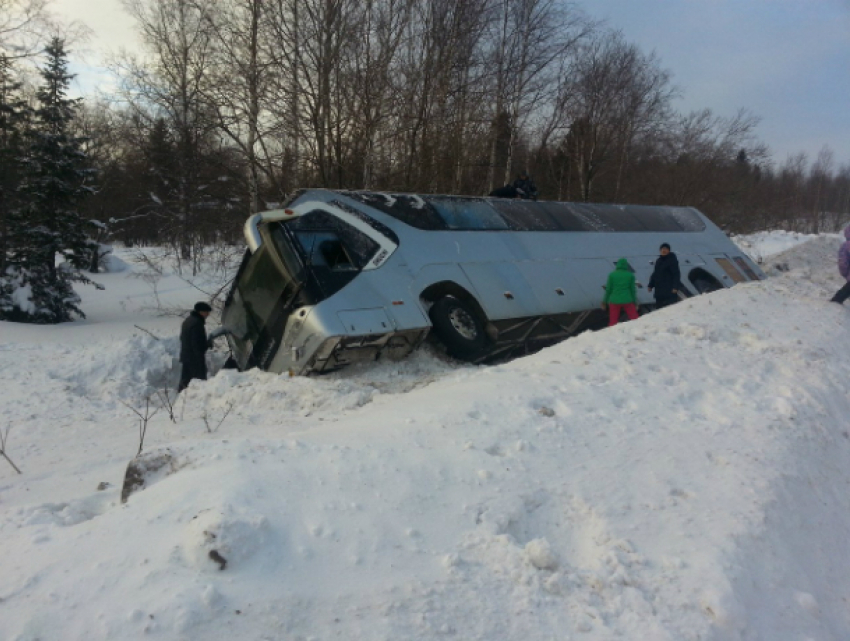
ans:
(24, 25)
(529, 41)
(171, 83)
(240, 74)
(819, 177)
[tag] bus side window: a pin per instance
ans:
(335, 255)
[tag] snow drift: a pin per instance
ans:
(683, 476)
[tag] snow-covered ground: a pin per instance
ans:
(684, 476)
(763, 245)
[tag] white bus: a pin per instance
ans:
(340, 276)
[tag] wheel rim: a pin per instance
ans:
(463, 323)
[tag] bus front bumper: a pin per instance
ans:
(336, 352)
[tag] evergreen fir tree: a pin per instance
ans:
(48, 222)
(14, 114)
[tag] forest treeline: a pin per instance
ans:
(231, 105)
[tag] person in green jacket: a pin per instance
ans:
(620, 293)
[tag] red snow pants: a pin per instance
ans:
(614, 312)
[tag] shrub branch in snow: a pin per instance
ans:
(164, 396)
(149, 333)
(220, 264)
(205, 418)
(149, 412)
(4, 437)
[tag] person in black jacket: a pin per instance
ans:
(525, 187)
(508, 191)
(665, 278)
(193, 345)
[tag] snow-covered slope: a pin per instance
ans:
(764, 245)
(684, 476)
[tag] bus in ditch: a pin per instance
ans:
(336, 277)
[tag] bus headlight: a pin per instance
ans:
(291, 333)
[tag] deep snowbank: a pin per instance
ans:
(763, 245)
(684, 476)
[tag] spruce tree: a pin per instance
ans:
(47, 223)
(14, 115)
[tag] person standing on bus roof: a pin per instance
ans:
(844, 269)
(620, 293)
(194, 345)
(665, 278)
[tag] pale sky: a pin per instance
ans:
(787, 61)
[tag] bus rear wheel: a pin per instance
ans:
(705, 286)
(459, 328)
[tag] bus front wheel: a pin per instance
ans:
(459, 327)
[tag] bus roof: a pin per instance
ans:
(474, 213)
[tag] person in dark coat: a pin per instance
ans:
(665, 278)
(844, 269)
(508, 191)
(525, 187)
(194, 345)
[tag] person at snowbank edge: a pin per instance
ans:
(620, 293)
(844, 269)
(194, 345)
(665, 278)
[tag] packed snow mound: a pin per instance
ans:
(325, 395)
(680, 477)
(763, 245)
(813, 262)
(113, 264)
(123, 369)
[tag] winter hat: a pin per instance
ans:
(202, 307)
(663, 245)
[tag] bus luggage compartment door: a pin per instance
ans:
(592, 275)
(502, 290)
(362, 322)
(555, 286)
